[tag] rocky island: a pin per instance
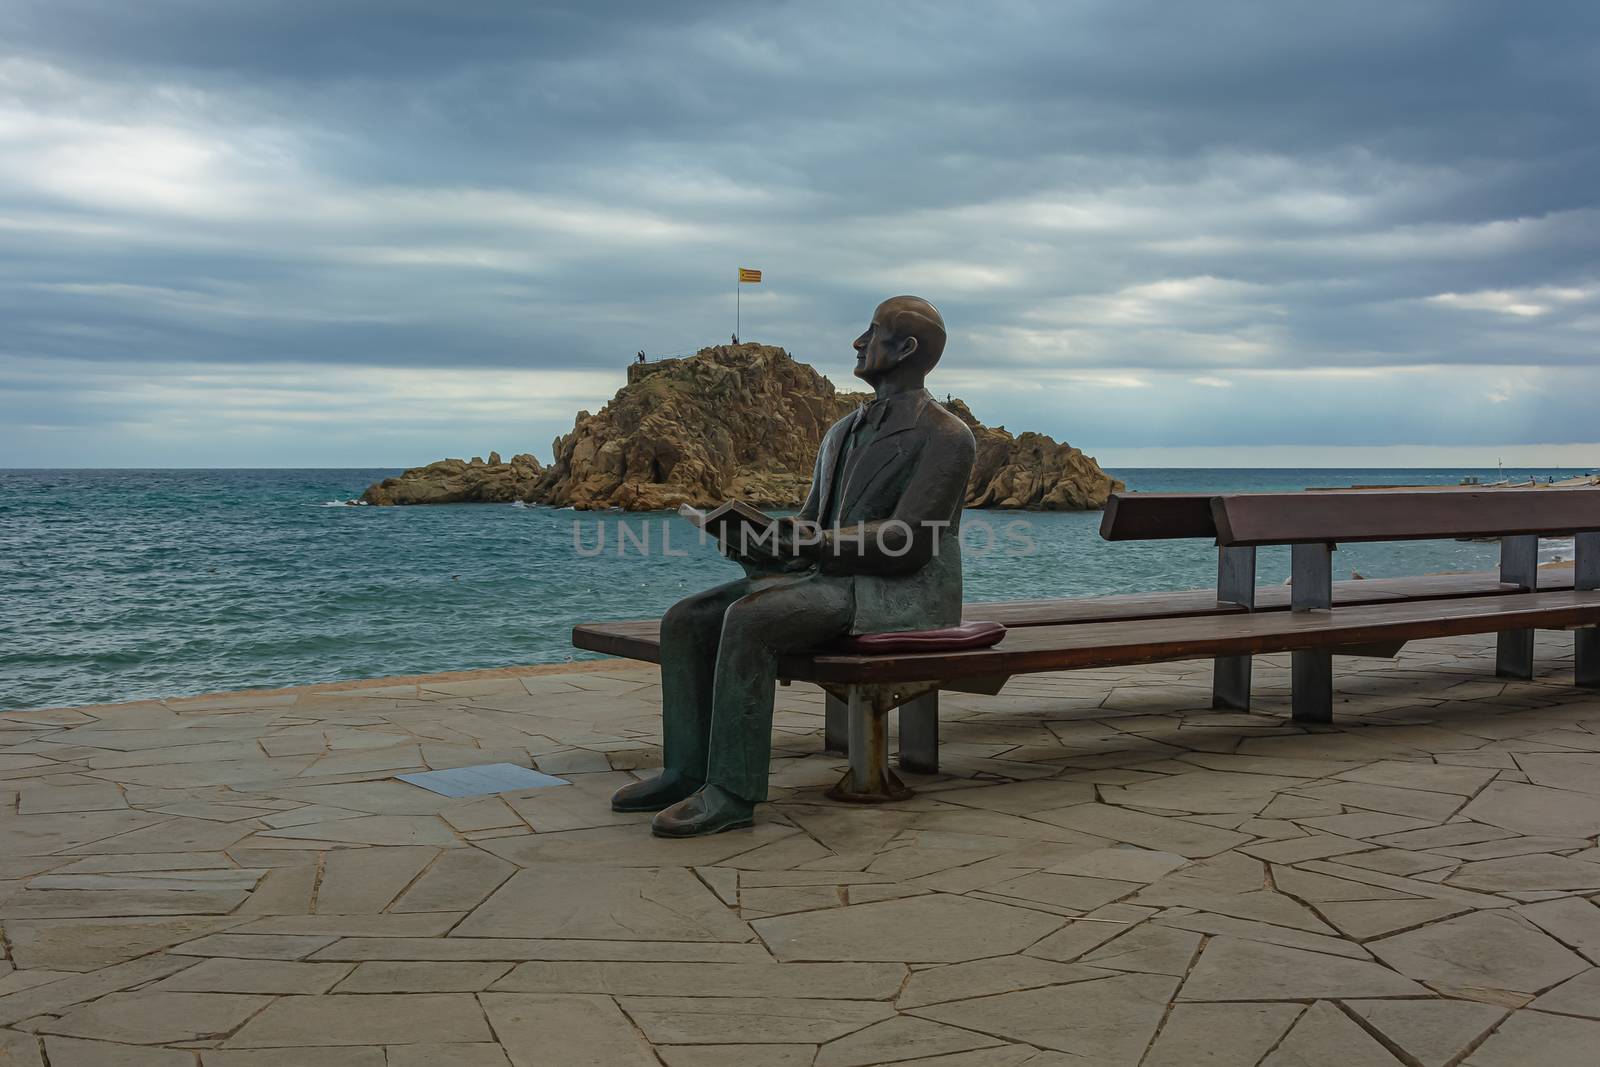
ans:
(732, 421)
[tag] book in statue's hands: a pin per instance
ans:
(735, 524)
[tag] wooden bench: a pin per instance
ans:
(1396, 515)
(1230, 625)
(1313, 524)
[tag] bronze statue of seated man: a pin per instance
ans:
(875, 549)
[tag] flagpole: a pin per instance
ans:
(738, 295)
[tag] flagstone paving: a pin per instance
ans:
(1107, 872)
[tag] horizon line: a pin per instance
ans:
(1117, 466)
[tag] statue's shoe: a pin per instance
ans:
(710, 811)
(653, 794)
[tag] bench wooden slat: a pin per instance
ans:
(1047, 612)
(1244, 519)
(1056, 610)
(1031, 649)
(632, 639)
(641, 639)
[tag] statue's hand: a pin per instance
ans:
(793, 548)
(799, 539)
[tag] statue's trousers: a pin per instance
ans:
(719, 657)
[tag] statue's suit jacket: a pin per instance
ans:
(906, 574)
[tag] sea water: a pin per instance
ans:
(127, 584)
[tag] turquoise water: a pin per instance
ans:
(125, 584)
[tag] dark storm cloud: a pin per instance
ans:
(317, 40)
(1114, 196)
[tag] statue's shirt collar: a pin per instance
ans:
(895, 409)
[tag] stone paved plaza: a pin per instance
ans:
(1108, 873)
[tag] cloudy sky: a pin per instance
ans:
(377, 232)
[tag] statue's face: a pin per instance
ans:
(878, 350)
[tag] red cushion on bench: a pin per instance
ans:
(951, 639)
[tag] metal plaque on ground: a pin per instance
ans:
(482, 780)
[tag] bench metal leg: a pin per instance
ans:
(1236, 584)
(835, 730)
(1586, 650)
(1513, 655)
(1230, 682)
(1311, 570)
(869, 779)
(1519, 565)
(919, 734)
(1312, 676)
(1586, 657)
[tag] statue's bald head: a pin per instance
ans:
(906, 332)
(912, 316)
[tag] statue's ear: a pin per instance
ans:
(908, 345)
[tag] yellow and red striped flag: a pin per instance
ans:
(748, 276)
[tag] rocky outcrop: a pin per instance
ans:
(1032, 471)
(732, 421)
(455, 481)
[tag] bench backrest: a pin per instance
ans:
(1245, 519)
(1158, 517)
